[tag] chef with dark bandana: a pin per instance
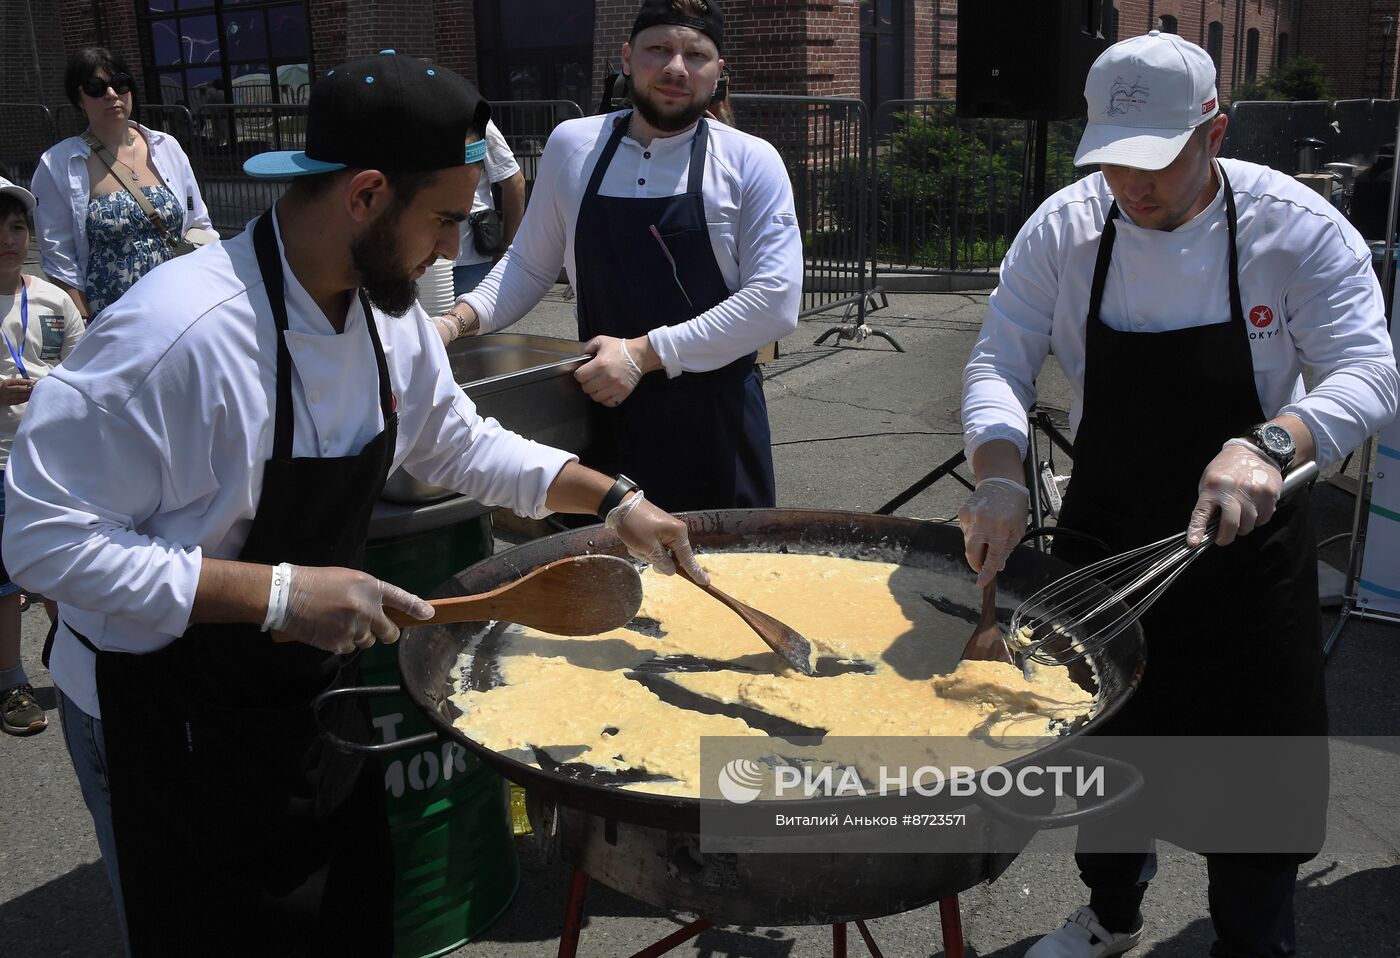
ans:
(248, 401)
(680, 238)
(1183, 296)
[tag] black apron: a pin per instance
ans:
(238, 830)
(701, 440)
(1233, 647)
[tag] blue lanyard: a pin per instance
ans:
(18, 355)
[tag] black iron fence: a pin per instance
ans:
(951, 193)
(28, 130)
(822, 142)
(526, 125)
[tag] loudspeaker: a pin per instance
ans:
(1027, 59)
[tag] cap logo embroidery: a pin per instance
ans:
(1208, 106)
(1261, 316)
(1123, 96)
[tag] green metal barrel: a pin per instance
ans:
(455, 864)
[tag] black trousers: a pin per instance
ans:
(1251, 898)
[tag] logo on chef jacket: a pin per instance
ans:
(741, 780)
(1124, 96)
(1261, 316)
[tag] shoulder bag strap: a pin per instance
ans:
(123, 175)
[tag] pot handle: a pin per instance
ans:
(366, 748)
(1079, 816)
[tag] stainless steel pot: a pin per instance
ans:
(526, 383)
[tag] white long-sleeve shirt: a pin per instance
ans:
(144, 452)
(61, 187)
(1308, 291)
(749, 210)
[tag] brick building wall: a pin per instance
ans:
(774, 46)
(327, 34)
(806, 47)
(1348, 37)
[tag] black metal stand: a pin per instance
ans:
(859, 330)
(1037, 419)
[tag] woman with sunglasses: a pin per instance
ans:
(95, 240)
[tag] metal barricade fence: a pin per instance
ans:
(950, 192)
(29, 130)
(526, 125)
(223, 136)
(822, 142)
(1267, 131)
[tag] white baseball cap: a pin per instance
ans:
(1146, 96)
(19, 192)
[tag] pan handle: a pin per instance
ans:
(366, 748)
(1079, 816)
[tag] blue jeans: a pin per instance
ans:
(83, 735)
(466, 278)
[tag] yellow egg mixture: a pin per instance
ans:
(571, 697)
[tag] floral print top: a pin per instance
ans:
(123, 243)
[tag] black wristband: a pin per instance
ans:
(615, 495)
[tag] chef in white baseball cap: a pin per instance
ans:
(1184, 296)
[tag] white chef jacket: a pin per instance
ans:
(54, 329)
(1306, 284)
(500, 166)
(61, 187)
(145, 450)
(749, 210)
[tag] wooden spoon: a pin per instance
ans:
(580, 595)
(783, 639)
(987, 642)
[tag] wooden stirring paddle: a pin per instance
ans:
(988, 642)
(580, 595)
(783, 639)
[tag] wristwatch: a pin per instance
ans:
(1275, 442)
(614, 496)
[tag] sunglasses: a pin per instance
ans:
(95, 86)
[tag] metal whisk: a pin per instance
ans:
(1082, 612)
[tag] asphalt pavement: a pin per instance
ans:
(854, 424)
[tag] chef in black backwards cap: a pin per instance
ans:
(680, 238)
(194, 487)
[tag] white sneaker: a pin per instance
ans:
(1081, 936)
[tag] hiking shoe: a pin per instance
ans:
(1081, 936)
(20, 713)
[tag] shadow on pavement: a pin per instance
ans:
(70, 917)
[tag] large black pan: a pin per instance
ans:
(428, 655)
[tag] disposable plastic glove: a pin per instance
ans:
(655, 537)
(1242, 484)
(611, 375)
(993, 519)
(339, 610)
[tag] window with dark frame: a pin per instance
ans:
(1215, 42)
(881, 52)
(199, 52)
(1167, 24)
(541, 50)
(1281, 55)
(1251, 54)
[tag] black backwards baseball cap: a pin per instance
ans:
(656, 13)
(390, 112)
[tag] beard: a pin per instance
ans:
(387, 283)
(674, 122)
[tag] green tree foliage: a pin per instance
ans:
(949, 191)
(1299, 79)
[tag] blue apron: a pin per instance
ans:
(701, 440)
